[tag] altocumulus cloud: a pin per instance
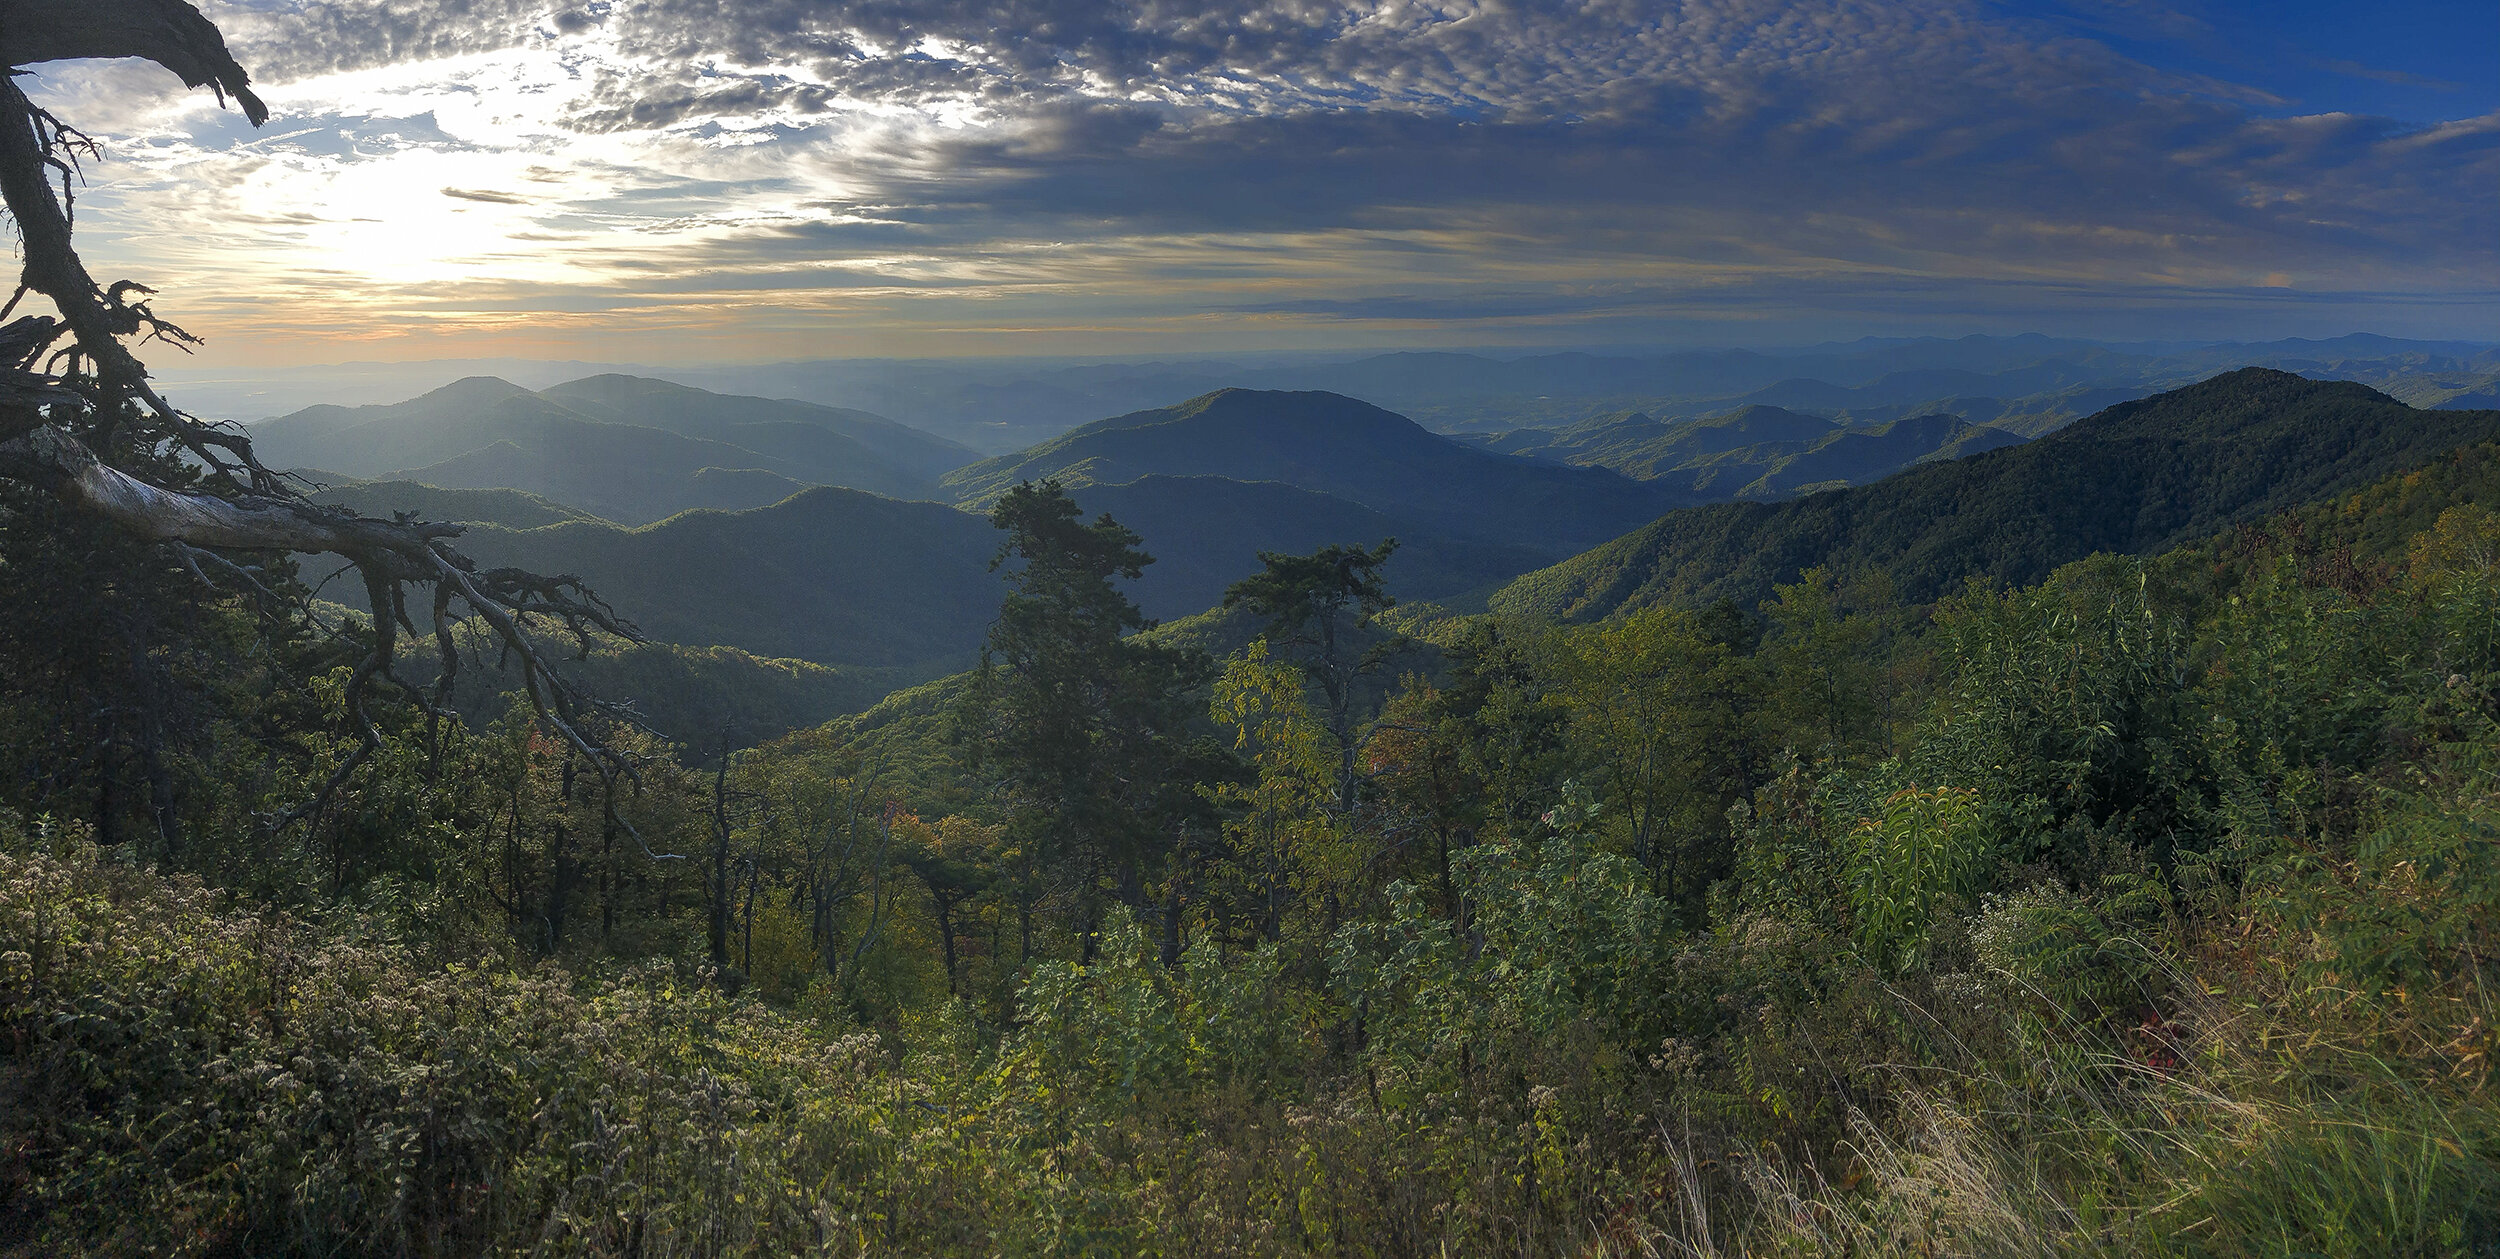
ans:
(769, 177)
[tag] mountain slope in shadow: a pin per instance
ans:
(2138, 477)
(1343, 448)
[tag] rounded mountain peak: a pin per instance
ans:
(473, 391)
(1280, 407)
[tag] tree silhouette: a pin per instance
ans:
(80, 422)
(1317, 603)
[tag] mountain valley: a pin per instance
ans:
(1619, 512)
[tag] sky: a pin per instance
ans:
(687, 181)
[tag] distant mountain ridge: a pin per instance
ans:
(1001, 405)
(1344, 448)
(858, 581)
(2138, 477)
(1756, 451)
(834, 576)
(625, 448)
(904, 590)
(773, 426)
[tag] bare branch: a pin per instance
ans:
(51, 458)
(168, 32)
(97, 436)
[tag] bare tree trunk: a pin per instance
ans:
(1172, 902)
(719, 888)
(746, 930)
(946, 933)
(561, 866)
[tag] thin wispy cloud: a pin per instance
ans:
(770, 178)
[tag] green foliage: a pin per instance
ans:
(2456, 565)
(2352, 1178)
(2144, 910)
(1659, 706)
(1759, 451)
(2071, 702)
(1320, 604)
(2096, 955)
(192, 1079)
(1103, 1036)
(2134, 479)
(1084, 722)
(1285, 845)
(137, 698)
(2305, 672)
(2413, 905)
(1562, 935)
(1830, 692)
(1909, 864)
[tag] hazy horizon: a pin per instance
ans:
(874, 383)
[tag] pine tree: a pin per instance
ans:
(1082, 719)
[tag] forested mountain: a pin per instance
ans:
(626, 449)
(2457, 391)
(1207, 532)
(2083, 847)
(772, 426)
(904, 589)
(698, 697)
(1755, 451)
(616, 471)
(2145, 910)
(834, 576)
(2136, 478)
(1859, 454)
(897, 591)
(1343, 448)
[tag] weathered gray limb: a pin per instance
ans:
(50, 458)
(64, 432)
(168, 32)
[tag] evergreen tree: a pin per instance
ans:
(1082, 719)
(1320, 603)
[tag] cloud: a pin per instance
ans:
(2355, 69)
(766, 173)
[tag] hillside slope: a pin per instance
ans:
(759, 424)
(1344, 448)
(834, 576)
(1206, 533)
(618, 471)
(1755, 451)
(852, 580)
(2139, 477)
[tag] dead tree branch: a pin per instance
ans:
(96, 435)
